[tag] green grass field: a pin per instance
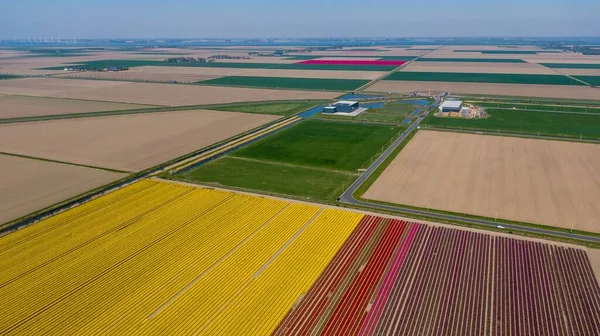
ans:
(390, 113)
(539, 107)
(272, 178)
(526, 122)
(338, 67)
(138, 63)
(323, 144)
(592, 80)
(570, 65)
(282, 108)
(288, 83)
(471, 60)
(314, 159)
(482, 78)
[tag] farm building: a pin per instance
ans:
(344, 106)
(451, 106)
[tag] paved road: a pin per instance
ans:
(348, 197)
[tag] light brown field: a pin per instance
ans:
(268, 72)
(579, 72)
(536, 181)
(522, 90)
(594, 255)
(28, 185)
(126, 142)
(149, 94)
(136, 75)
(508, 68)
(27, 106)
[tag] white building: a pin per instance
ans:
(451, 106)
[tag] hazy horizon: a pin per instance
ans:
(298, 19)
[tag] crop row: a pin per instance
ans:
(398, 278)
(163, 258)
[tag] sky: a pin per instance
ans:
(297, 18)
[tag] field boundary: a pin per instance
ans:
(65, 162)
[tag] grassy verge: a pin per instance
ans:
(476, 226)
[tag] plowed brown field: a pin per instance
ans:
(12, 106)
(28, 185)
(536, 181)
(126, 142)
(147, 93)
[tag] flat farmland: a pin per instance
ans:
(126, 142)
(297, 162)
(134, 75)
(12, 106)
(393, 277)
(146, 93)
(349, 146)
(288, 83)
(28, 185)
(177, 259)
(492, 68)
(482, 78)
(216, 256)
(536, 181)
(519, 90)
(564, 124)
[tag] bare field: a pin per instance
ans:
(268, 72)
(127, 142)
(508, 68)
(136, 75)
(149, 93)
(12, 106)
(545, 182)
(522, 90)
(594, 256)
(579, 72)
(28, 185)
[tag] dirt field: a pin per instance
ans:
(579, 72)
(546, 91)
(537, 181)
(41, 184)
(164, 72)
(127, 142)
(510, 68)
(150, 94)
(135, 75)
(594, 256)
(27, 106)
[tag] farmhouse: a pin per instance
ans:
(451, 106)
